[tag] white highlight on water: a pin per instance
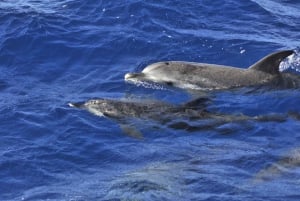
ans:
(149, 85)
(291, 62)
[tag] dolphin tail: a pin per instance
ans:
(270, 63)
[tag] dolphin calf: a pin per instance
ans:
(202, 76)
(174, 116)
(288, 162)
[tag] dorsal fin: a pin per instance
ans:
(270, 63)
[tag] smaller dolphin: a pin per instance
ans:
(174, 116)
(288, 162)
(202, 76)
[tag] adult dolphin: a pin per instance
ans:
(202, 76)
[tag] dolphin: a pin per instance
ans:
(287, 163)
(206, 77)
(180, 116)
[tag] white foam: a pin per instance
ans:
(147, 84)
(291, 62)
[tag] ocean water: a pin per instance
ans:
(54, 52)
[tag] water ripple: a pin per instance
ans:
(54, 52)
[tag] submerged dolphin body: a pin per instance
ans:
(202, 76)
(174, 116)
(287, 163)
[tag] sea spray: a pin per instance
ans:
(291, 62)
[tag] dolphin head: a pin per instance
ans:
(102, 107)
(160, 72)
(99, 107)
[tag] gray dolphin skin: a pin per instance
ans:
(202, 76)
(143, 109)
(174, 116)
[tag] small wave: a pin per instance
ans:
(148, 85)
(279, 8)
(159, 180)
(47, 7)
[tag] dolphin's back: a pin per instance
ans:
(203, 76)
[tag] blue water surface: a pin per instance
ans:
(54, 52)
